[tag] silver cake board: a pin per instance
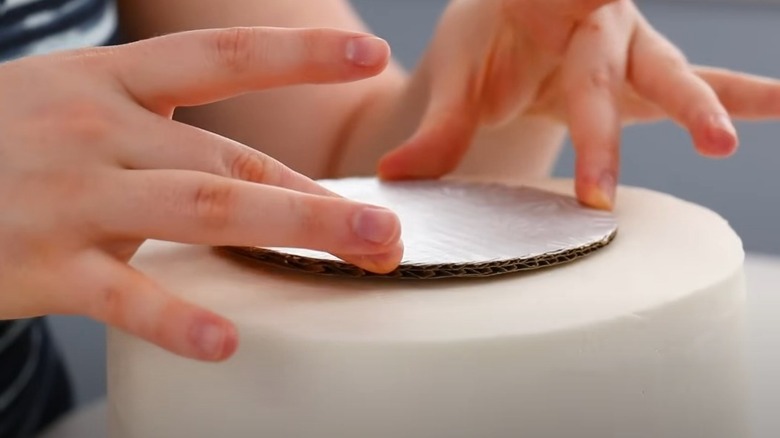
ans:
(457, 229)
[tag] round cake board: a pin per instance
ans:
(454, 228)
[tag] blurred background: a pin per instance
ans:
(737, 34)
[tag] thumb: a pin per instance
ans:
(438, 146)
(200, 67)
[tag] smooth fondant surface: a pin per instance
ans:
(641, 339)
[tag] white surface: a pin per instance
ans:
(641, 339)
(88, 422)
(763, 278)
(657, 156)
(763, 273)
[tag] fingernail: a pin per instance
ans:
(722, 135)
(376, 225)
(210, 339)
(608, 185)
(367, 51)
(384, 263)
(603, 195)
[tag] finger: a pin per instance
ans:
(194, 149)
(378, 263)
(445, 131)
(636, 108)
(182, 147)
(660, 73)
(176, 146)
(199, 67)
(745, 96)
(193, 207)
(462, 100)
(593, 76)
(119, 296)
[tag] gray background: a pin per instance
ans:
(737, 34)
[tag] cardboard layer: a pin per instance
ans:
(413, 272)
(461, 229)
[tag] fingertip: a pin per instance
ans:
(593, 197)
(598, 193)
(382, 263)
(230, 345)
(418, 159)
(213, 338)
(377, 225)
(395, 166)
(368, 52)
(719, 139)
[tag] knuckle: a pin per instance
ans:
(311, 41)
(692, 112)
(670, 58)
(593, 26)
(603, 78)
(86, 121)
(249, 165)
(674, 61)
(107, 305)
(235, 48)
(309, 217)
(213, 204)
(90, 56)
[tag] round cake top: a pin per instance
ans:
(667, 251)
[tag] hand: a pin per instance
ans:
(591, 64)
(92, 164)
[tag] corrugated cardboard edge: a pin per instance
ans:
(274, 259)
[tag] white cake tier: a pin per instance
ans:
(642, 339)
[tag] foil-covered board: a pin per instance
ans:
(456, 228)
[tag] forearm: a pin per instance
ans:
(333, 130)
(301, 126)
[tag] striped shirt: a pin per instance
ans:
(31, 27)
(34, 388)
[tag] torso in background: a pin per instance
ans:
(31, 27)
(34, 387)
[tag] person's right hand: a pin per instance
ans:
(91, 164)
(592, 66)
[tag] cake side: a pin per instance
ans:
(643, 339)
(675, 372)
(666, 250)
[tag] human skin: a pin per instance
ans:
(93, 163)
(502, 82)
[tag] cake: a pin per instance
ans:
(641, 339)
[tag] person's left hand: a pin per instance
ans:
(591, 64)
